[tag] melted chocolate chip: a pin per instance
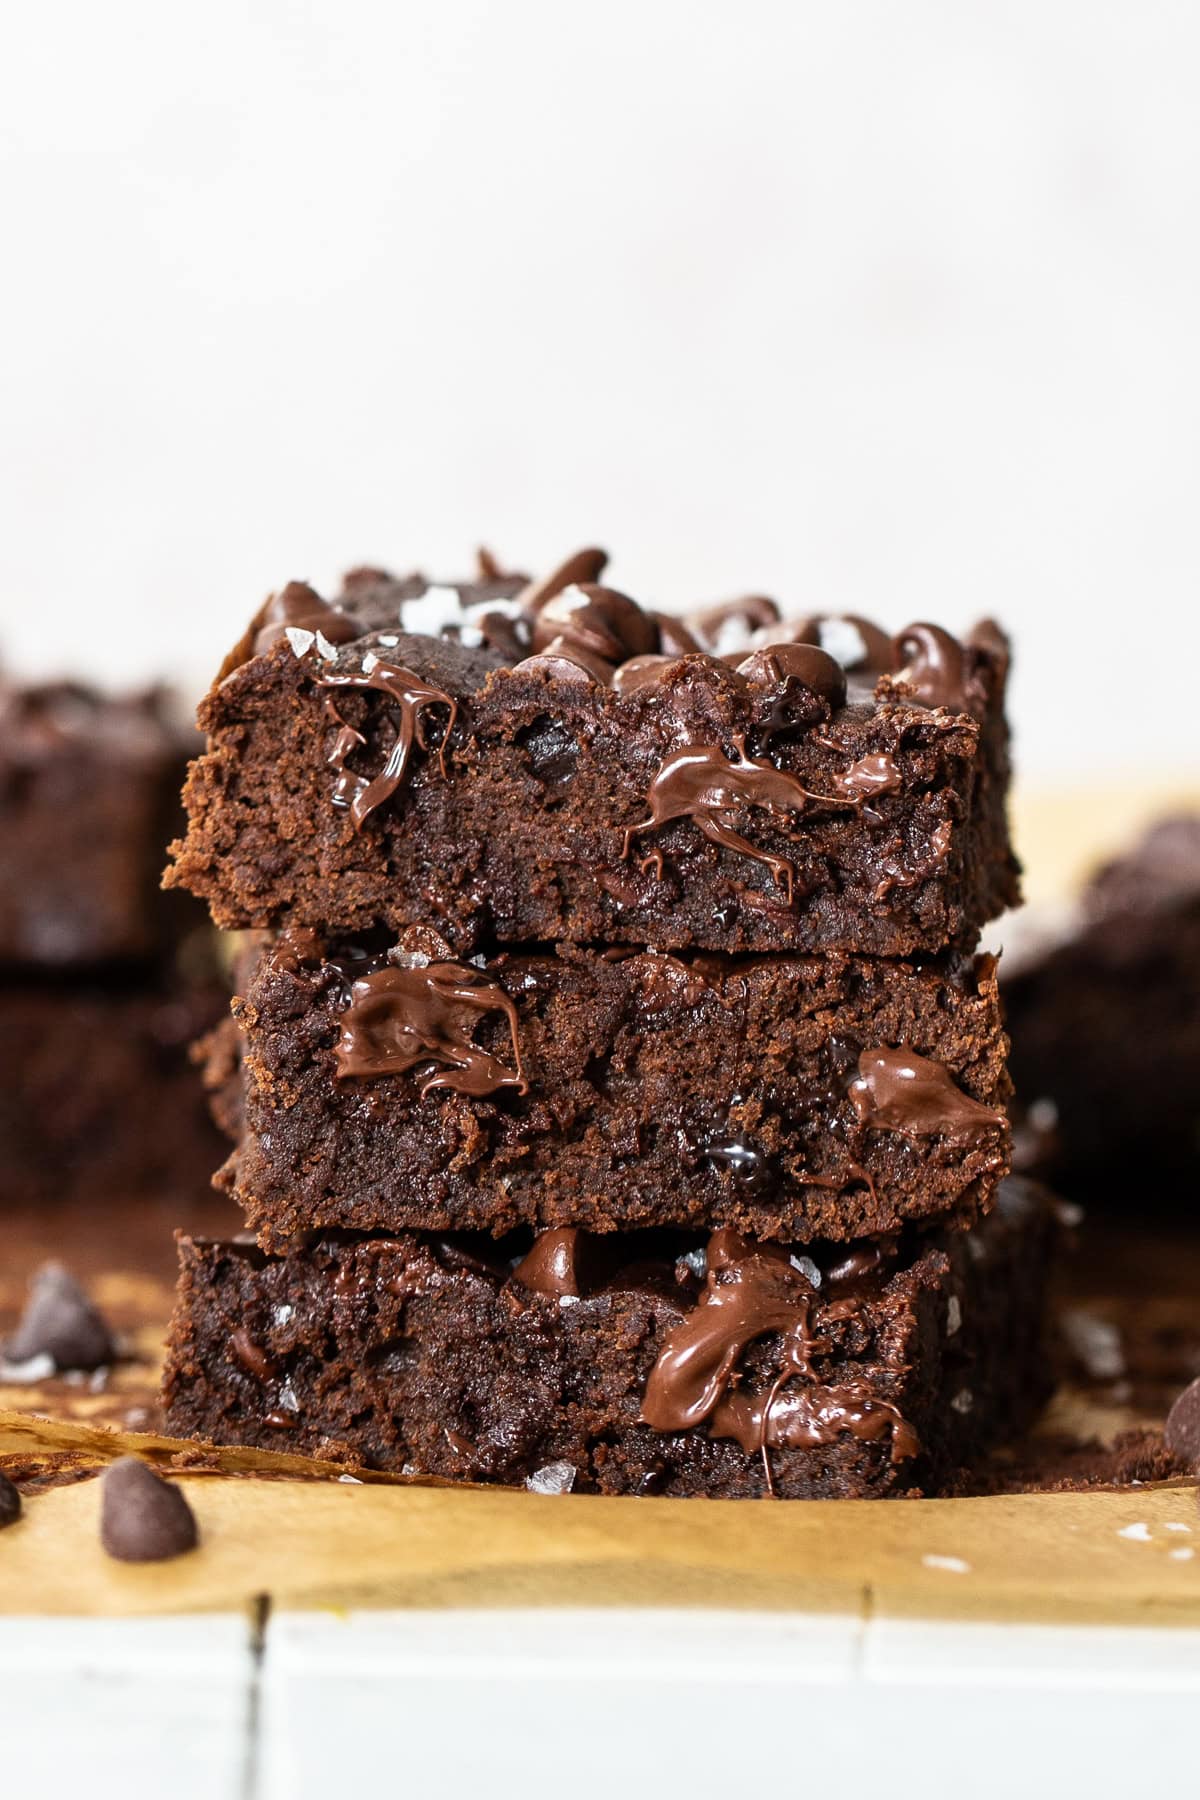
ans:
(748, 1164)
(750, 1290)
(753, 1290)
(1183, 1426)
(414, 697)
(868, 777)
(60, 1322)
(700, 782)
(897, 1090)
(861, 1266)
(778, 664)
(895, 874)
(142, 1517)
(10, 1502)
(642, 672)
(804, 1418)
(406, 1018)
(252, 1357)
(934, 666)
(654, 671)
(564, 660)
(296, 947)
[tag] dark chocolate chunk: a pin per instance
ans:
(142, 1517)
(60, 1322)
(10, 1502)
(1183, 1426)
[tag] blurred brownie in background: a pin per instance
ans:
(89, 792)
(1105, 1027)
(105, 981)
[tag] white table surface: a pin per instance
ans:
(590, 1703)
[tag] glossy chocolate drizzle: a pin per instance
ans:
(413, 696)
(897, 1090)
(807, 1417)
(701, 783)
(752, 1290)
(406, 1017)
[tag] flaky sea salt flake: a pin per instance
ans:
(554, 1478)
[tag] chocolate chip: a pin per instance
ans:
(1183, 1426)
(563, 660)
(10, 1503)
(60, 1322)
(142, 1517)
(805, 663)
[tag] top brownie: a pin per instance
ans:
(511, 761)
(89, 794)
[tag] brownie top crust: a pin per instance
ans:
(550, 760)
(428, 646)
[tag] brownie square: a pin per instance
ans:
(637, 1364)
(89, 795)
(395, 1089)
(554, 763)
(99, 1096)
(1105, 1026)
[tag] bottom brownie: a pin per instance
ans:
(646, 1363)
(99, 1097)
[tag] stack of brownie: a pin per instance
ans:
(619, 1103)
(104, 981)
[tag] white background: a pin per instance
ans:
(883, 306)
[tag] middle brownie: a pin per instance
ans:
(388, 1087)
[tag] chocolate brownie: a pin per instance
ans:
(98, 1096)
(789, 1097)
(1105, 1025)
(89, 794)
(637, 1364)
(551, 762)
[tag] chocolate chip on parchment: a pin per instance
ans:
(60, 1322)
(142, 1517)
(1183, 1426)
(10, 1502)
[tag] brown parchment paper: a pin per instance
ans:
(328, 1543)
